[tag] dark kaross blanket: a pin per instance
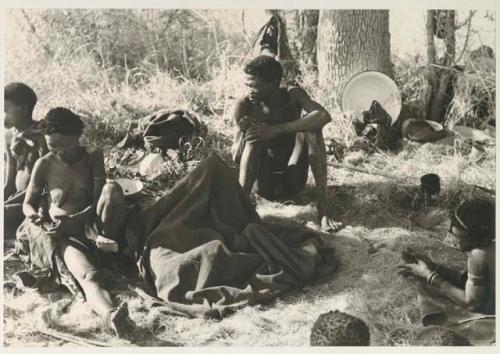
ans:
(204, 250)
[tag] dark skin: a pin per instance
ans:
(18, 117)
(473, 296)
(70, 208)
(266, 101)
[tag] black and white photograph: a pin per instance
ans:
(249, 176)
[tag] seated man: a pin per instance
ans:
(275, 144)
(24, 144)
(73, 178)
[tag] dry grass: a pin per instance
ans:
(376, 209)
(474, 100)
(379, 227)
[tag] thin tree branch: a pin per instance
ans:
(467, 20)
(45, 46)
(467, 36)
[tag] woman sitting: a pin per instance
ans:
(473, 226)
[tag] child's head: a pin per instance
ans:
(63, 129)
(473, 223)
(263, 74)
(337, 328)
(19, 102)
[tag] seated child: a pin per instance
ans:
(24, 144)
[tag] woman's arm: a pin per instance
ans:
(472, 296)
(476, 288)
(34, 191)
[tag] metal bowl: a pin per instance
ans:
(369, 86)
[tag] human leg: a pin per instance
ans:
(298, 166)
(85, 274)
(99, 299)
(317, 160)
(13, 217)
(255, 170)
(111, 212)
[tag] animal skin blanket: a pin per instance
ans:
(205, 251)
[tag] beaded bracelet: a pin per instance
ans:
(431, 277)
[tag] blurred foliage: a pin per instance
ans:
(182, 42)
(110, 65)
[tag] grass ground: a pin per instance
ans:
(377, 210)
(378, 214)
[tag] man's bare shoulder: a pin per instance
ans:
(243, 102)
(297, 91)
(242, 107)
(298, 95)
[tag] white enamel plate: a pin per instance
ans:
(130, 186)
(369, 86)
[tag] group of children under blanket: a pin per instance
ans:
(53, 182)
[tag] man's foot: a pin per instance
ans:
(330, 225)
(118, 322)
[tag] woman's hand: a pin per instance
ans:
(66, 225)
(420, 269)
(409, 255)
(53, 229)
(35, 218)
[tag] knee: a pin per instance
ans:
(112, 190)
(89, 276)
(112, 198)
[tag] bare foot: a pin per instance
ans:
(330, 225)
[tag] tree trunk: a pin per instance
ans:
(350, 42)
(302, 30)
(439, 70)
